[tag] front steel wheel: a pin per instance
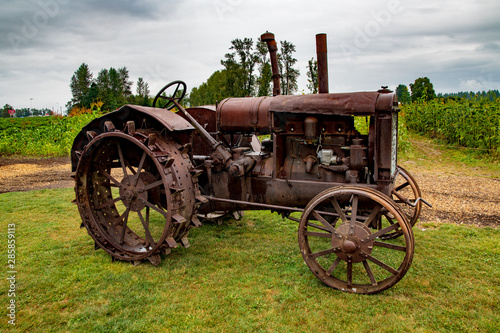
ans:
(342, 248)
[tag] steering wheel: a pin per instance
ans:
(177, 95)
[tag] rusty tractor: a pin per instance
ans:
(144, 176)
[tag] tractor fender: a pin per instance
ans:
(142, 116)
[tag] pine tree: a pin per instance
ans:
(403, 94)
(80, 84)
(312, 76)
(288, 73)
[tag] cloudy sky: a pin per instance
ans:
(370, 43)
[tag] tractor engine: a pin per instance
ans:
(308, 138)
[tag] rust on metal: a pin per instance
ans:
(322, 58)
(273, 48)
(144, 176)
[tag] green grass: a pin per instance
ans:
(244, 276)
(430, 154)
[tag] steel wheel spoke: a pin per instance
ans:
(124, 218)
(161, 211)
(312, 225)
(370, 273)
(139, 168)
(131, 169)
(318, 234)
(152, 185)
(372, 215)
(324, 252)
(122, 161)
(338, 209)
(383, 231)
(381, 264)
(349, 273)
(108, 203)
(402, 186)
(389, 219)
(323, 221)
(145, 224)
(354, 214)
(107, 175)
(390, 246)
(333, 266)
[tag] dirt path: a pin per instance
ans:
(459, 198)
(27, 174)
(459, 194)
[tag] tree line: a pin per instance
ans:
(108, 91)
(247, 72)
(490, 95)
(423, 89)
(23, 112)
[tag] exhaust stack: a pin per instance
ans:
(322, 57)
(271, 45)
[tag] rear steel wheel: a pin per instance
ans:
(135, 194)
(341, 248)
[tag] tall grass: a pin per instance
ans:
(41, 136)
(469, 123)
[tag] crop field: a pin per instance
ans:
(474, 124)
(40, 136)
(468, 123)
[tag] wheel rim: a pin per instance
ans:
(407, 191)
(342, 249)
(124, 194)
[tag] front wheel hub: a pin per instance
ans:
(351, 247)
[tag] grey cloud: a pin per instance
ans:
(451, 42)
(493, 47)
(28, 24)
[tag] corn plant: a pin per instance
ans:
(469, 123)
(40, 136)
